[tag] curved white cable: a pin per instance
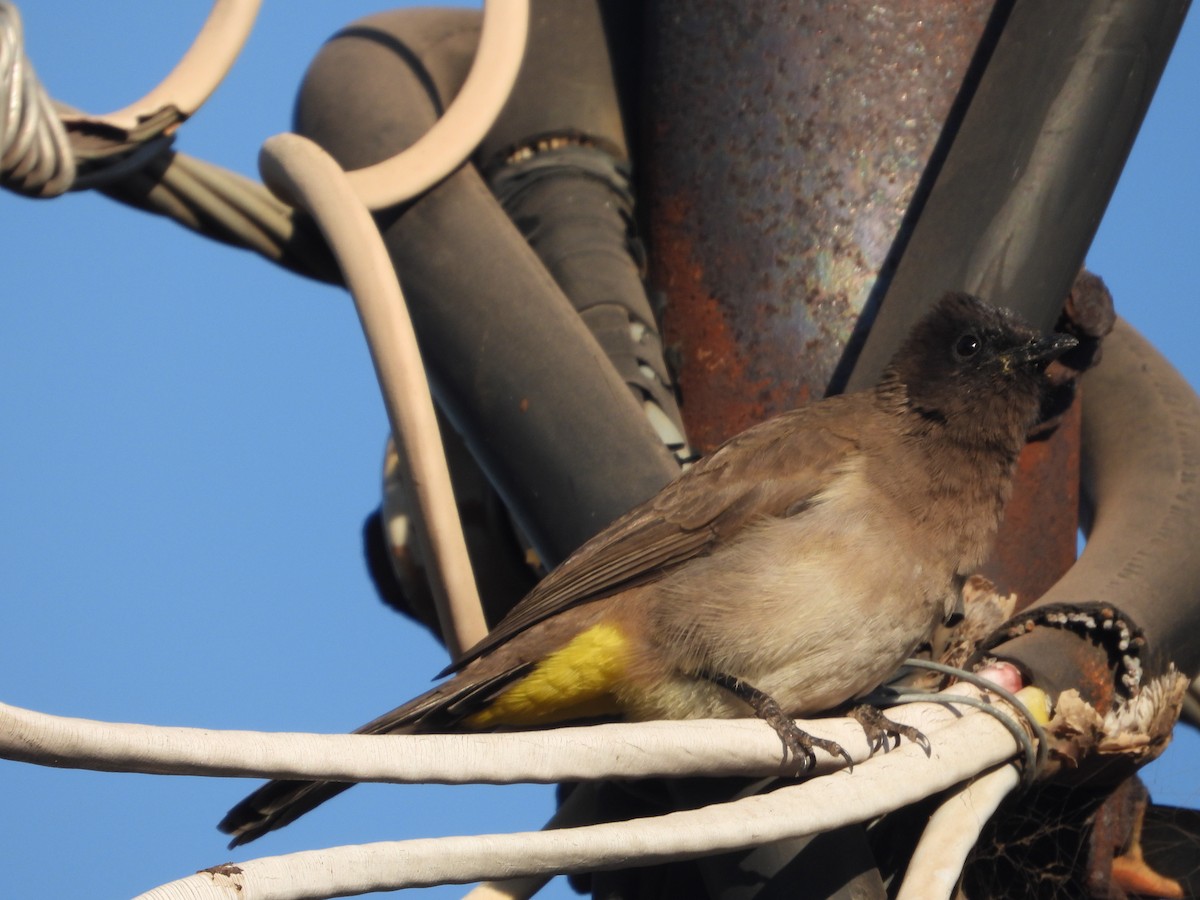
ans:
(306, 176)
(469, 117)
(199, 71)
(952, 832)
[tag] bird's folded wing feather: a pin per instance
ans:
(771, 470)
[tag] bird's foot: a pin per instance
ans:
(879, 729)
(798, 744)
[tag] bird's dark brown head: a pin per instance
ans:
(974, 367)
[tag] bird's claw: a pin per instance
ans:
(801, 743)
(798, 744)
(879, 728)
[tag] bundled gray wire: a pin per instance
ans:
(35, 154)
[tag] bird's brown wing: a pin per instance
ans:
(772, 469)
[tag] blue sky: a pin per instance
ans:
(193, 438)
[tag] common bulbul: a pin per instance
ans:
(790, 571)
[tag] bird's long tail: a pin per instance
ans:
(443, 708)
(275, 804)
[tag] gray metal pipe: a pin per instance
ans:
(512, 363)
(1141, 489)
(1015, 204)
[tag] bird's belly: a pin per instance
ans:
(812, 614)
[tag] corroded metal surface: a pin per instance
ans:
(1036, 543)
(785, 145)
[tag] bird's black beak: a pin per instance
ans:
(1041, 350)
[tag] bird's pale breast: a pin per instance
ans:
(813, 609)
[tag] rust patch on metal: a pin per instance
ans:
(1038, 537)
(719, 396)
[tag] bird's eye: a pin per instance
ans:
(968, 345)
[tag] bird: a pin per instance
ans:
(790, 571)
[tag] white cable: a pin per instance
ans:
(974, 743)
(203, 67)
(303, 174)
(952, 832)
(468, 119)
